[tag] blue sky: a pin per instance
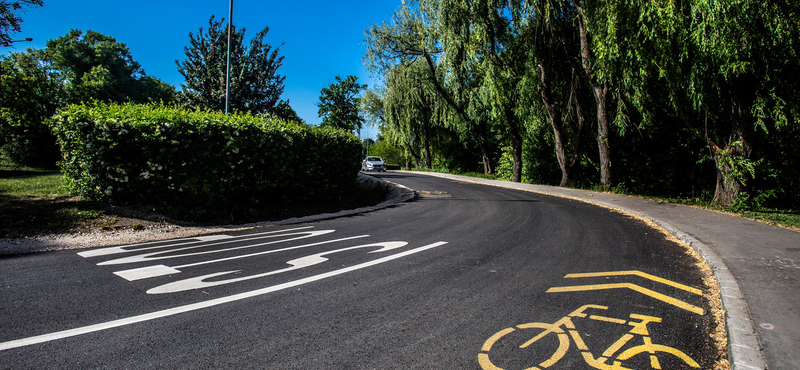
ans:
(322, 39)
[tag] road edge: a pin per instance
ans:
(744, 347)
(398, 195)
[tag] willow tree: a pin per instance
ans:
(411, 109)
(746, 68)
(413, 35)
(494, 37)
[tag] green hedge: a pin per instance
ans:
(152, 154)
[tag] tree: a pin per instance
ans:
(339, 104)
(285, 111)
(10, 22)
(372, 106)
(96, 66)
(74, 68)
(411, 110)
(413, 35)
(32, 92)
(746, 55)
(255, 86)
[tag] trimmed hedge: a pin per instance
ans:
(152, 154)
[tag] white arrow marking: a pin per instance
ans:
(161, 270)
(198, 283)
(154, 256)
(200, 305)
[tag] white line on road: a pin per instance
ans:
(161, 270)
(184, 241)
(200, 305)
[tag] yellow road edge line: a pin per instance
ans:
(640, 274)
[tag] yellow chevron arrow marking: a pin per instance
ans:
(640, 274)
(634, 287)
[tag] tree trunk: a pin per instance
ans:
(567, 171)
(516, 143)
(739, 145)
(487, 164)
(600, 91)
(428, 159)
(728, 188)
(601, 97)
(413, 154)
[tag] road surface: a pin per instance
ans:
(463, 277)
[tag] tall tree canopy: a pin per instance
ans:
(96, 66)
(415, 35)
(255, 85)
(339, 104)
(743, 78)
(74, 68)
(668, 84)
(10, 19)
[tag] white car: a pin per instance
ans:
(373, 163)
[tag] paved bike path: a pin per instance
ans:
(757, 267)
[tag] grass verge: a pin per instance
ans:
(37, 202)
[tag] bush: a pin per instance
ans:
(26, 141)
(199, 161)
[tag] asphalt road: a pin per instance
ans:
(461, 277)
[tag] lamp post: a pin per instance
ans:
(228, 67)
(7, 44)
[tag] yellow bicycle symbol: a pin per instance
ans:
(564, 329)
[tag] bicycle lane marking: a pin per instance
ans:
(648, 292)
(205, 304)
(566, 331)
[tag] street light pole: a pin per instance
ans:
(7, 44)
(228, 72)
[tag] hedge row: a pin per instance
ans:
(152, 154)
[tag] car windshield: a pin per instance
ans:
(373, 158)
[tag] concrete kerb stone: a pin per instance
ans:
(744, 348)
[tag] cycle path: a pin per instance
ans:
(757, 267)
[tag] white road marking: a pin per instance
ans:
(298, 263)
(211, 238)
(161, 270)
(185, 241)
(200, 305)
(154, 256)
(146, 272)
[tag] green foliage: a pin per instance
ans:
(388, 152)
(200, 160)
(255, 86)
(31, 94)
(339, 104)
(504, 168)
(96, 66)
(75, 67)
(10, 19)
(661, 81)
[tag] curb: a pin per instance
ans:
(399, 194)
(744, 347)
